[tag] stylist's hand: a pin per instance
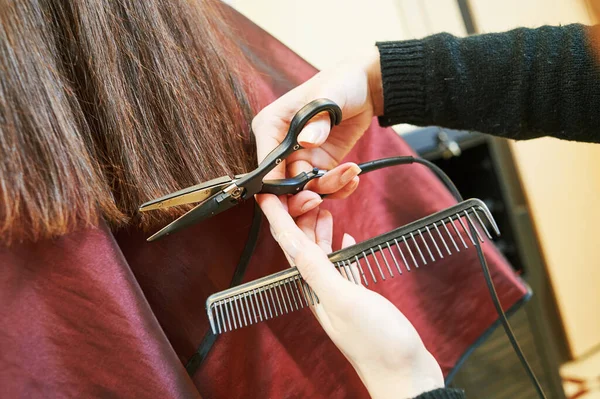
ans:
(381, 344)
(356, 87)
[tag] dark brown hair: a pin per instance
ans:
(106, 104)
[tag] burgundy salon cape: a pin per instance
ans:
(105, 314)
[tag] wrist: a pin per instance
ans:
(411, 380)
(373, 70)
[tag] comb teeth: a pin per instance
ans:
(401, 250)
(259, 300)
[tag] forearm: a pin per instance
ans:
(520, 84)
(443, 393)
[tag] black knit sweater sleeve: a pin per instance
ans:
(520, 84)
(443, 393)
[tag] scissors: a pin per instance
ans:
(220, 194)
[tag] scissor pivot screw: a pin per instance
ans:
(296, 147)
(277, 161)
(234, 191)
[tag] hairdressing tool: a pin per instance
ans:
(206, 191)
(225, 192)
(411, 246)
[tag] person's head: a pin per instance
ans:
(106, 104)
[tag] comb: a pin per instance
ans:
(411, 246)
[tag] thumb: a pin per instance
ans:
(316, 131)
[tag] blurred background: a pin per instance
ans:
(543, 193)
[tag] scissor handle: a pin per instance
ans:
(252, 182)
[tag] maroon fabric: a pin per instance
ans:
(97, 314)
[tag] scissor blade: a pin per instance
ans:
(214, 205)
(197, 193)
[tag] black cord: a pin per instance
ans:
(370, 166)
(386, 162)
(209, 339)
(509, 333)
(486, 272)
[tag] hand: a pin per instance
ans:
(380, 343)
(356, 87)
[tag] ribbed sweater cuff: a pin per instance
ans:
(443, 393)
(403, 77)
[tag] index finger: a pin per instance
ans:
(309, 258)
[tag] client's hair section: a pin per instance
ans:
(106, 104)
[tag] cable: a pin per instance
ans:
(486, 271)
(442, 176)
(507, 329)
(377, 164)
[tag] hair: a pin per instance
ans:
(106, 104)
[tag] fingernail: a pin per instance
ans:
(308, 205)
(289, 243)
(350, 174)
(311, 136)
